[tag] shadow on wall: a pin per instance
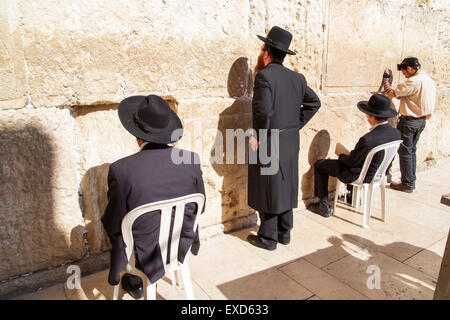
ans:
(361, 269)
(95, 199)
(99, 150)
(318, 149)
(31, 235)
(234, 173)
(113, 143)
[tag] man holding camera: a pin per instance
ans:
(417, 95)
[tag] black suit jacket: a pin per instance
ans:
(353, 163)
(147, 176)
(282, 100)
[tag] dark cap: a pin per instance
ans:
(409, 62)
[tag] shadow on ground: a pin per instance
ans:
(363, 272)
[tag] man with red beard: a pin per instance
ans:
(282, 105)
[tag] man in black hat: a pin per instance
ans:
(282, 104)
(348, 167)
(147, 176)
(417, 95)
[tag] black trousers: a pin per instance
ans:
(322, 170)
(276, 227)
(410, 130)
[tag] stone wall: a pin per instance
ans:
(65, 67)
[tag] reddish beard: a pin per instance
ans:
(259, 64)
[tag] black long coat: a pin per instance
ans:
(281, 100)
(147, 176)
(352, 163)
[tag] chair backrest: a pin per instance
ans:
(166, 207)
(390, 149)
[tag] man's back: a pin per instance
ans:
(287, 88)
(417, 95)
(144, 177)
(151, 175)
(382, 134)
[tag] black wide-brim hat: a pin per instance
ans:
(151, 119)
(378, 105)
(279, 39)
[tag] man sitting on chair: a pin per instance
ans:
(147, 176)
(348, 166)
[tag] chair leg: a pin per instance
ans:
(383, 202)
(367, 194)
(186, 274)
(172, 278)
(116, 292)
(150, 290)
(336, 194)
(356, 197)
(178, 278)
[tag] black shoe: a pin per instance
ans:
(284, 240)
(320, 208)
(133, 285)
(401, 187)
(259, 242)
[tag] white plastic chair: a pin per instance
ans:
(173, 266)
(378, 180)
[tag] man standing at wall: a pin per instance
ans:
(278, 96)
(417, 95)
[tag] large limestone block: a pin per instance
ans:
(224, 162)
(40, 220)
(225, 177)
(308, 41)
(101, 139)
(421, 28)
(92, 52)
(12, 63)
(434, 141)
(421, 33)
(442, 64)
(340, 116)
(304, 19)
(364, 38)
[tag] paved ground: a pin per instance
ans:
(328, 258)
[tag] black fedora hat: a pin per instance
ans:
(151, 119)
(279, 39)
(378, 105)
